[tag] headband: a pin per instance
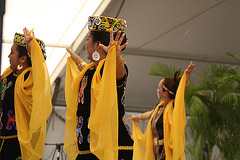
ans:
(19, 39)
(166, 89)
(101, 23)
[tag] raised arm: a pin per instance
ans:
(81, 64)
(188, 73)
(143, 116)
(120, 70)
(28, 39)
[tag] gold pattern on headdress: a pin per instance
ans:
(19, 39)
(100, 23)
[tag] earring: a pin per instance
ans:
(19, 67)
(95, 56)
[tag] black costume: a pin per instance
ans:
(10, 149)
(125, 141)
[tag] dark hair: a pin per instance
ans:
(22, 51)
(104, 37)
(171, 85)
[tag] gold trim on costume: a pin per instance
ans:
(119, 148)
(125, 147)
(1, 145)
(6, 137)
(85, 152)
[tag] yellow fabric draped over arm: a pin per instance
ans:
(6, 73)
(33, 105)
(103, 121)
(72, 83)
(174, 123)
(143, 143)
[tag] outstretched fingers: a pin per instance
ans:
(111, 37)
(190, 67)
(104, 47)
(70, 51)
(117, 36)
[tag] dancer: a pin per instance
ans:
(164, 136)
(95, 97)
(26, 100)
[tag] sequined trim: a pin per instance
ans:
(125, 147)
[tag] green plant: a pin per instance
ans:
(216, 98)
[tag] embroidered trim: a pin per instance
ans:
(8, 137)
(79, 129)
(125, 147)
(19, 158)
(85, 152)
(101, 23)
(4, 87)
(162, 155)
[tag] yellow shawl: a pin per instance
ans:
(32, 99)
(103, 120)
(174, 122)
(143, 143)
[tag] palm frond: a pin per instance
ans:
(163, 70)
(234, 56)
(216, 97)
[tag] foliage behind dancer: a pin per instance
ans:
(95, 97)
(26, 100)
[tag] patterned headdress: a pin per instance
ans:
(100, 23)
(19, 39)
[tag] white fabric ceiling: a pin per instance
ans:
(172, 32)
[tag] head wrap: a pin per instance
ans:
(19, 39)
(101, 23)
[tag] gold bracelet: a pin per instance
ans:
(80, 65)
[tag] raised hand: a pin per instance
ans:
(28, 38)
(134, 118)
(81, 64)
(190, 68)
(74, 56)
(119, 40)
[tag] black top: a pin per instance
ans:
(83, 111)
(159, 126)
(7, 112)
